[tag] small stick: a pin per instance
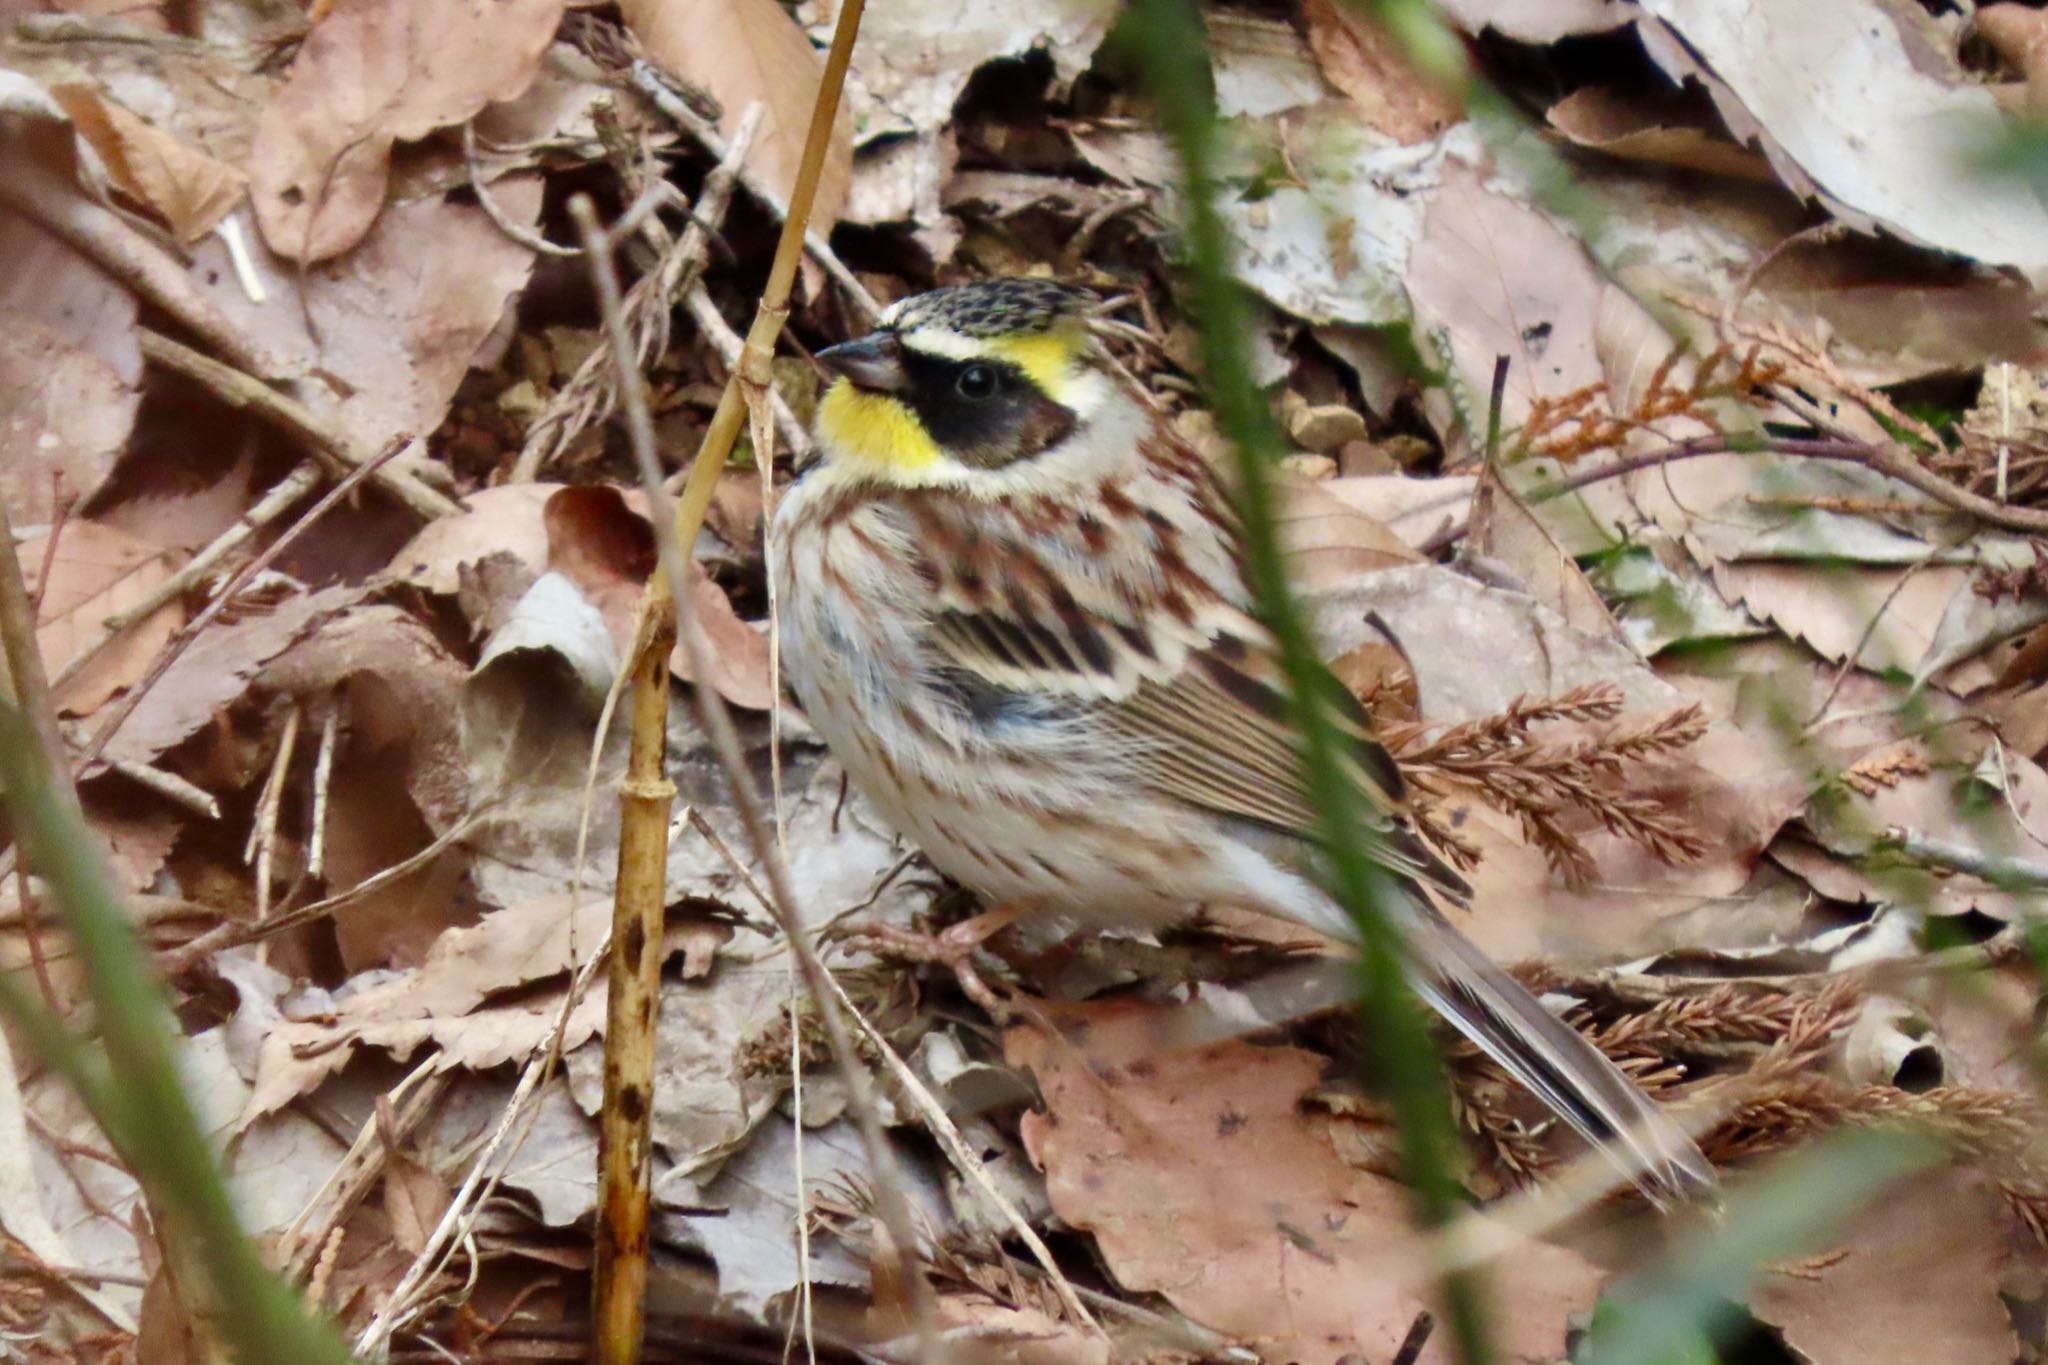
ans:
(730, 346)
(184, 638)
(281, 496)
(127, 255)
(263, 839)
(323, 777)
(591, 394)
(31, 687)
(170, 786)
(651, 83)
(244, 391)
(2007, 872)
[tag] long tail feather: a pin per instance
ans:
(1542, 1052)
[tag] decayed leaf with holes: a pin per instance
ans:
(1200, 1180)
(1915, 1276)
(1895, 139)
(181, 185)
(97, 572)
(746, 52)
(371, 73)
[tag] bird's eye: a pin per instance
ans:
(976, 381)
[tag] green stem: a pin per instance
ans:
(1170, 46)
(133, 1090)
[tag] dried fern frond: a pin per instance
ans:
(1870, 775)
(1541, 781)
(1570, 426)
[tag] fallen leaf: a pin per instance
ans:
(1261, 65)
(386, 334)
(1201, 1181)
(1850, 1306)
(64, 420)
(371, 73)
(186, 189)
(97, 572)
(1329, 541)
(216, 669)
(1893, 139)
(1596, 117)
(607, 549)
(1359, 57)
(746, 52)
(444, 1001)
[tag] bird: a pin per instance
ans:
(1013, 604)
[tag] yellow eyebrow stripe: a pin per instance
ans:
(1046, 359)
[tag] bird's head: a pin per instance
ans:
(958, 383)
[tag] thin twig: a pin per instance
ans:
(590, 395)
(245, 391)
(648, 79)
(273, 504)
(31, 686)
(2026, 520)
(127, 255)
(184, 638)
(493, 210)
(2008, 872)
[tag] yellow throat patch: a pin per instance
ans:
(874, 433)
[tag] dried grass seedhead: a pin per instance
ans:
(1542, 781)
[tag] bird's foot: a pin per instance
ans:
(953, 947)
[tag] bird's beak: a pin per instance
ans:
(873, 362)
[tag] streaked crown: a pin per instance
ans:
(976, 377)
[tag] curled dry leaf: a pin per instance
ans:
(373, 72)
(746, 52)
(1201, 1180)
(1895, 138)
(1593, 116)
(180, 184)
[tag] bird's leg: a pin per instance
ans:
(953, 947)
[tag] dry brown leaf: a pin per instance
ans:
(1916, 1278)
(1506, 531)
(2019, 34)
(373, 72)
(183, 186)
(746, 52)
(504, 520)
(96, 573)
(1593, 116)
(1894, 141)
(372, 825)
(64, 419)
(385, 336)
(602, 545)
(216, 669)
(444, 1001)
(1358, 57)
(1329, 541)
(1201, 1180)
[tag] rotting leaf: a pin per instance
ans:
(371, 73)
